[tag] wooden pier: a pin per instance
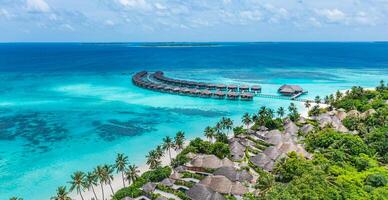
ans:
(158, 82)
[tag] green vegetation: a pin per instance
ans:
(192, 175)
(177, 193)
(198, 145)
(133, 190)
(345, 166)
(362, 100)
(265, 117)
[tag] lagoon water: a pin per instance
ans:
(68, 107)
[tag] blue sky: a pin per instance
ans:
(193, 20)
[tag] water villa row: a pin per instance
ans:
(158, 82)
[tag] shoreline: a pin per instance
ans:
(117, 182)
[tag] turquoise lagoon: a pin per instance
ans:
(68, 107)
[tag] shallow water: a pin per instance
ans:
(67, 107)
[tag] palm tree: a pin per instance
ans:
(179, 140)
(100, 173)
(120, 165)
(132, 174)
(262, 110)
(270, 113)
(326, 99)
(246, 119)
(307, 104)
(280, 112)
(317, 99)
(228, 123)
(159, 151)
(91, 181)
(109, 170)
(223, 123)
(78, 182)
(209, 133)
(338, 95)
(61, 194)
(218, 128)
(167, 145)
(153, 159)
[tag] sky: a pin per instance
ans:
(192, 20)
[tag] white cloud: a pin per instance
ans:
(4, 13)
(332, 15)
(160, 6)
(109, 23)
(37, 6)
(67, 27)
(135, 4)
(253, 15)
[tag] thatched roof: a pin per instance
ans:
(237, 150)
(180, 169)
(149, 187)
(223, 185)
(290, 89)
(238, 189)
(354, 113)
(175, 175)
(307, 128)
(272, 152)
(263, 161)
(202, 192)
(191, 155)
(326, 119)
(210, 161)
(275, 137)
(233, 174)
(290, 127)
(167, 182)
(368, 113)
(341, 115)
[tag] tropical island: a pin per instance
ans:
(337, 150)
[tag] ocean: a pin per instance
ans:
(72, 106)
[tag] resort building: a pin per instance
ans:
(290, 90)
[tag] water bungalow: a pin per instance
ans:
(244, 88)
(221, 87)
(256, 88)
(232, 88)
(158, 82)
(246, 96)
(232, 95)
(219, 95)
(289, 90)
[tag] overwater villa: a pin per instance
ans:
(289, 90)
(158, 82)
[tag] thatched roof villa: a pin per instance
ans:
(290, 90)
(202, 192)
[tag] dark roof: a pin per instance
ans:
(290, 89)
(256, 87)
(202, 192)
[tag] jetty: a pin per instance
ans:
(157, 81)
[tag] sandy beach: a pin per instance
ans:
(118, 182)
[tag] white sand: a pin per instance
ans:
(118, 181)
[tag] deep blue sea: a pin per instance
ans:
(71, 106)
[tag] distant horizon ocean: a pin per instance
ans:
(72, 106)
